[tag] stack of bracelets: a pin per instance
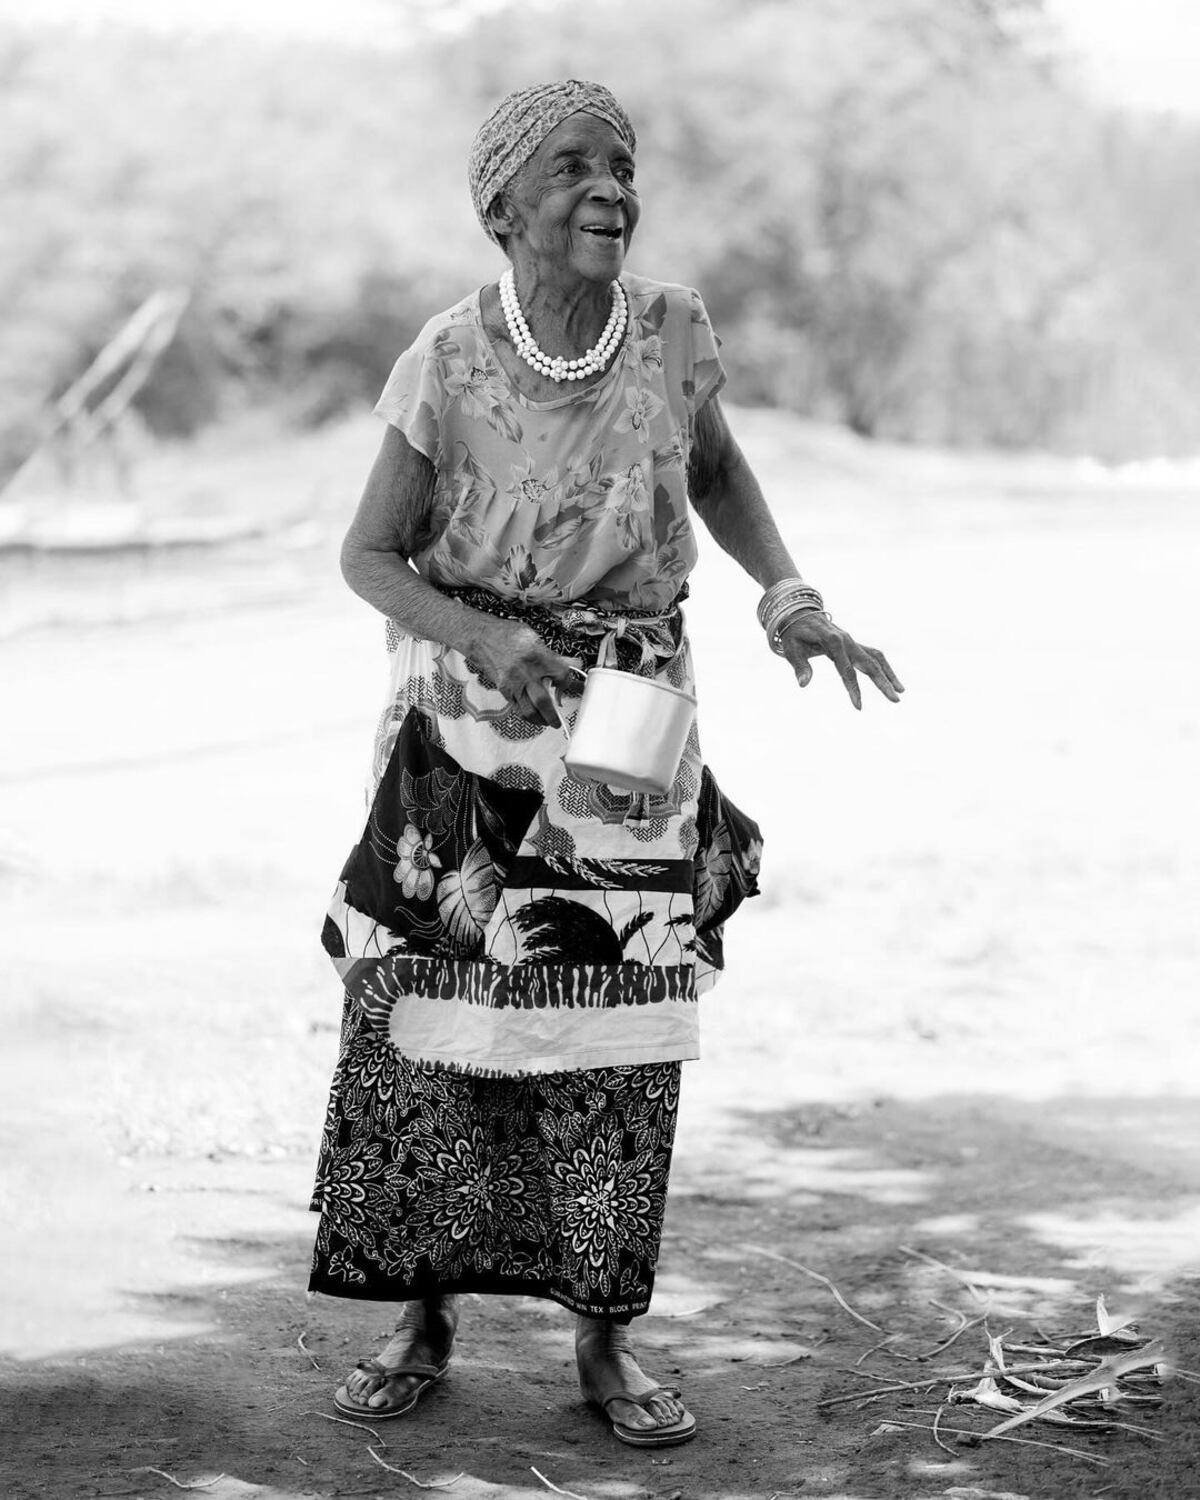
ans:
(780, 605)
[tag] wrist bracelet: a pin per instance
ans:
(775, 635)
(782, 603)
(778, 591)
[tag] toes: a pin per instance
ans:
(665, 1411)
(393, 1392)
(631, 1415)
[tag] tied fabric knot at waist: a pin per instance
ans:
(629, 640)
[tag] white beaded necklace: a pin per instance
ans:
(555, 367)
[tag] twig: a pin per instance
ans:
(404, 1474)
(342, 1422)
(932, 1260)
(198, 1484)
(935, 1377)
(1093, 1458)
(1106, 1373)
(875, 1348)
(957, 1334)
(884, 1390)
(859, 1374)
(303, 1348)
(782, 1364)
(816, 1276)
(570, 1493)
(937, 1417)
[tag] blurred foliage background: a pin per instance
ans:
(900, 214)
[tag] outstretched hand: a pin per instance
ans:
(811, 634)
(517, 660)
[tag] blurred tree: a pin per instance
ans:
(898, 217)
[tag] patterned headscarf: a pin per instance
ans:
(519, 124)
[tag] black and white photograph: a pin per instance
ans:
(600, 749)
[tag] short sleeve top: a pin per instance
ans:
(580, 498)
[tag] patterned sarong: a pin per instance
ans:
(500, 917)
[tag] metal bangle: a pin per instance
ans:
(777, 591)
(775, 637)
(788, 604)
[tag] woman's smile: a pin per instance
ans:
(574, 204)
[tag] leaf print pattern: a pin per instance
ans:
(552, 1186)
(466, 900)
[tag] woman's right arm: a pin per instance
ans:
(375, 553)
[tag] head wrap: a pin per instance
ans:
(519, 124)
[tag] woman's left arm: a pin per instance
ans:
(730, 502)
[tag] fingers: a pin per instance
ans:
(888, 672)
(537, 704)
(533, 692)
(839, 654)
(813, 635)
(801, 666)
(874, 664)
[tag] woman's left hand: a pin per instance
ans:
(811, 634)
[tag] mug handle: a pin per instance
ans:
(557, 692)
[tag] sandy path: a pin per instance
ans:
(962, 1015)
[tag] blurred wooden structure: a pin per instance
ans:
(92, 409)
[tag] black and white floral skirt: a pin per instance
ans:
(550, 1185)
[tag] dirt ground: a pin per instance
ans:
(961, 1020)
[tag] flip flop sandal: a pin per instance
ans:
(650, 1437)
(425, 1374)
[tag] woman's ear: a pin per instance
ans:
(500, 216)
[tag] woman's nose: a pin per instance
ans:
(606, 189)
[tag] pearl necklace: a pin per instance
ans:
(555, 367)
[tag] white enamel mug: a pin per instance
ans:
(629, 731)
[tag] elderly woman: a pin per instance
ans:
(522, 950)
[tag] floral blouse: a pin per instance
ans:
(581, 497)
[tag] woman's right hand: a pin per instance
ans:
(518, 661)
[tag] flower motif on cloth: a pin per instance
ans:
(604, 1199)
(648, 353)
(469, 1191)
(523, 579)
(532, 488)
(641, 407)
(628, 499)
(476, 386)
(342, 1265)
(415, 863)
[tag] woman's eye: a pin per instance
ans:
(624, 174)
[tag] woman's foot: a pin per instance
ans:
(415, 1356)
(642, 1412)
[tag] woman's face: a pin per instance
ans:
(571, 211)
